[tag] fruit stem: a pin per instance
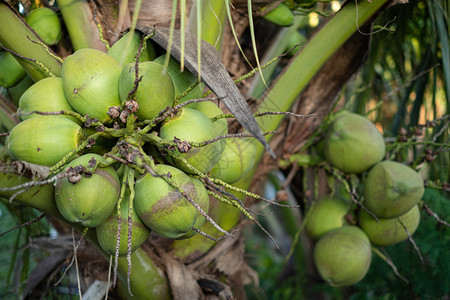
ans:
(78, 18)
(119, 221)
(130, 179)
(58, 166)
(17, 36)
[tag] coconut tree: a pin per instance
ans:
(351, 59)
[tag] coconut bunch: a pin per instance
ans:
(389, 213)
(129, 144)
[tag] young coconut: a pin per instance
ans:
(193, 126)
(107, 231)
(280, 15)
(391, 189)
(92, 199)
(46, 23)
(202, 200)
(155, 91)
(11, 72)
(44, 140)
(182, 80)
(46, 95)
(353, 144)
(388, 232)
(343, 255)
(211, 110)
(126, 48)
(91, 80)
(236, 160)
(162, 207)
(327, 214)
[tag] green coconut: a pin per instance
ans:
(162, 207)
(353, 144)
(211, 110)
(91, 200)
(44, 140)
(91, 82)
(280, 15)
(155, 91)
(295, 43)
(391, 189)
(237, 158)
(327, 214)
(126, 48)
(182, 80)
(193, 126)
(45, 23)
(202, 200)
(107, 231)
(342, 256)
(46, 95)
(388, 232)
(11, 72)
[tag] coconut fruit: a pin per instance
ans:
(343, 255)
(162, 207)
(327, 214)
(280, 15)
(237, 158)
(295, 43)
(211, 110)
(91, 82)
(45, 23)
(11, 72)
(391, 189)
(126, 48)
(44, 140)
(107, 231)
(155, 91)
(353, 144)
(46, 95)
(388, 232)
(193, 126)
(182, 80)
(91, 200)
(202, 200)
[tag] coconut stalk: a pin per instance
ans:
(80, 23)
(277, 47)
(17, 36)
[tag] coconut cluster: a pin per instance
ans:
(128, 156)
(391, 214)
